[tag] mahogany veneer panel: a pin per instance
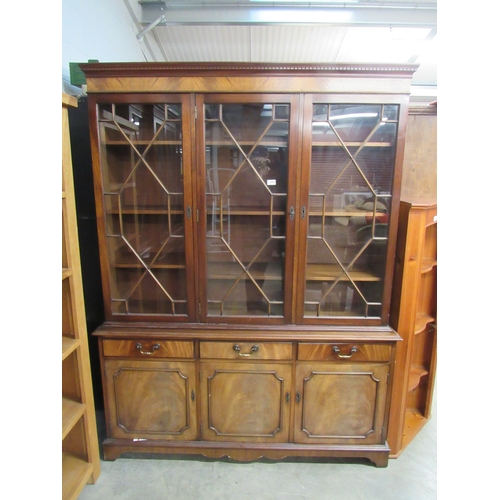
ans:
(265, 350)
(364, 352)
(166, 348)
(151, 399)
(341, 403)
(243, 401)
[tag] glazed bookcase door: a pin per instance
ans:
(145, 167)
(247, 163)
(349, 163)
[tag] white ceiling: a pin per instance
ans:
(293, 31)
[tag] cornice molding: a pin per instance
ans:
(187, 68)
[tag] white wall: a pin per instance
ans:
(100, 29)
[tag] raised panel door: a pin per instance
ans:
(340, 403)
(151, 399)
(246, 401)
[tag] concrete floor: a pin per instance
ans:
(412, 476)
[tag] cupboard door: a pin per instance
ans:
(347, 187)
(150, 399)
(340, 403)
(146, 200)
(245, 401)
(248, 155)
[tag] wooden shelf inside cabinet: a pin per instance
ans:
(231, 143)
(348, 213)
(245, 211)
(80, 451)
(329, 272)
(152, 261)
(314, 272)
(145, 211)
(138, 265)
(142, 142)
(338, 144)
(232, 270)
(414, 317)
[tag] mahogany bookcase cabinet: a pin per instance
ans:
(247, 219)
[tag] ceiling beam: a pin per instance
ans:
(278, 14)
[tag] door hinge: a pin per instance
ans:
(196, 112)
(388, 377)
(199, 308)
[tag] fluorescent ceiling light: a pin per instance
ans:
(353, 115)
(290, 15)
(320, 122)
(308, 1)
(370, 34)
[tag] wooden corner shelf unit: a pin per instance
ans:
(414, 316)
(80, 451)
(247, 218)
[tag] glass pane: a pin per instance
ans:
(351, 175)
(141, 160)
(246, 160)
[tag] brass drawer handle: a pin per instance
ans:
(336, 350)
(253, 350)
(138, 346)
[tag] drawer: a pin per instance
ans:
(246, 350)
(344, 352)
(148, 348)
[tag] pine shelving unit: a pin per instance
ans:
(414, 316)
(80, 450)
